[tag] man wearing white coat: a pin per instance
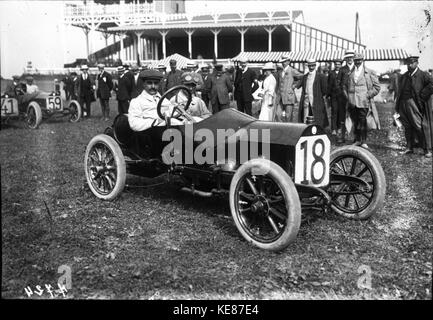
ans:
(268, 96)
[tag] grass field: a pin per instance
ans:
(158, 243)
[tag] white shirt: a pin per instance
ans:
(32, 88)
(309, 86)
(358, 72)
(269, 85)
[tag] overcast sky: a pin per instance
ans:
(34, 30)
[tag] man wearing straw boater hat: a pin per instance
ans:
(414, 107)
(285, 91)
(268, 96)
(86, 86)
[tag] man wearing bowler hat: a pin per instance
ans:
(245, 84)
(219, 86)
(104, 84)
(285, 90)
(412, 103)
(124, 88)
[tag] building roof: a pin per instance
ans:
(322, 56)
(181, 62)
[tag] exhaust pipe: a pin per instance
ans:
(198, 192)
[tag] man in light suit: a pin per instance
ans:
(219, 86)
(360, 88)
(104, 84)
(285, 93)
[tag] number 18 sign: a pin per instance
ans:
(312, 160)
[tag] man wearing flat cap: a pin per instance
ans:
(285, 98)
(142, 110)
(245, 84)
(412, 103)
(173, 77)
(104, 85)
(360, 89)
(342, 78)
(86, 94)
(123, 92)
(314, 91)
(335, 93)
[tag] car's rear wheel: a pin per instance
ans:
(74, 111)
(357, 183)
(34, 115)
(265, 204)
(105, 167)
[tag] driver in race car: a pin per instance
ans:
(142, 112)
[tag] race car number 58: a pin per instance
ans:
(312, 160)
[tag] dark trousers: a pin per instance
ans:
(85, 103)
(411, 119)
(338, 112)
(359, 118)
(105, 108)
(217, 106)
(123, 106)
(244, 106)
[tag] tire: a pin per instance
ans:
(367, 168)
(75, 111)
(34, 115)
(253, 221)
(105, 172)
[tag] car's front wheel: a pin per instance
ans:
(105, 167)
(34, 115)
(74, 111)
(265, 204)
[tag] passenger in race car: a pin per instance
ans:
(16, 90)
(197, 109)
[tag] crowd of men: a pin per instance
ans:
(341, 97)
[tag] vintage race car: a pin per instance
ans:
(295, 173)
(33, 108)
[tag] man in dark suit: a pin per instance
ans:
(74, 86)
(103, 92)
(205, 91)
(314, 90)
(415, 89)
(86, 87)
(343, 77)
(219, 86)
(245, 84)
(137, 82)
(123, 91)
(338, 113)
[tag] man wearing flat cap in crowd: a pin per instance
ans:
(104, 85)
(174, 76)
(342, 79)
(86, 88)
(412, 103)
(285, 99)
(123, 92)
(360, 89)
(219, 86)
(314, 91)
(245, 84)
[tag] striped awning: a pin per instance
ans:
(322, 56)
(181, 61)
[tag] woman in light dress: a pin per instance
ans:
(268, 95)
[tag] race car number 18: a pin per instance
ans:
(312, 160)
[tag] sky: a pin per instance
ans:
(34, 30)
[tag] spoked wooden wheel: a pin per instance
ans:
(74, 111)
(357, 183)
(265, 204)
(105, 167)
(34, 115)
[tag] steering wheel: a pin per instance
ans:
(179, 107)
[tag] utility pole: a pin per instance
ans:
(357, 29)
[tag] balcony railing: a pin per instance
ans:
(81, 11)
